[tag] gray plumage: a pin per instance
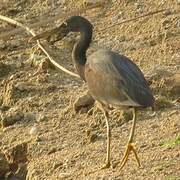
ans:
(119, 81)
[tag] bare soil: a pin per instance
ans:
(43, 137)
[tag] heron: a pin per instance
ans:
(112, 79)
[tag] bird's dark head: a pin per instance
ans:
(72, 24)
(77, 24)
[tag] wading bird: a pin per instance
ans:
(112, 79)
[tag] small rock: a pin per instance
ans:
(33, 131)
(23, 86)
(11, 117)
(84, 101)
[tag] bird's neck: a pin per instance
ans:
(79, 51)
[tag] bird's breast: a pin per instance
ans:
(103, 88)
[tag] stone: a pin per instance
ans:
(11, 117)
(33, 131)
(84, 101)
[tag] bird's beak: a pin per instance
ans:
(53, 35)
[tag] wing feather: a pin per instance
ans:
(125, 73)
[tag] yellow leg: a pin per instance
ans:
(106, 114)
(108, 164)
(130, 146)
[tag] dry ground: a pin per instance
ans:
(50, 143)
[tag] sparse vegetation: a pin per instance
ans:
(45, 125)
(171, 143)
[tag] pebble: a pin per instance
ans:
(33, 131)
(11, 117)
(83, 101)
(21, 86)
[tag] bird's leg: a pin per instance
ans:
(130, 146)
(106, 114)
(108, 164)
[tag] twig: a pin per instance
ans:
(11, 21)
(132, 19)
(65, 15)
(41, 45)
(47, 20)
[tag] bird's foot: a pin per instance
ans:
(130, 147)
(106, 166)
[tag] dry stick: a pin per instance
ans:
(39, 44)
(47, 20)
(132, 19)
(78, 11)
